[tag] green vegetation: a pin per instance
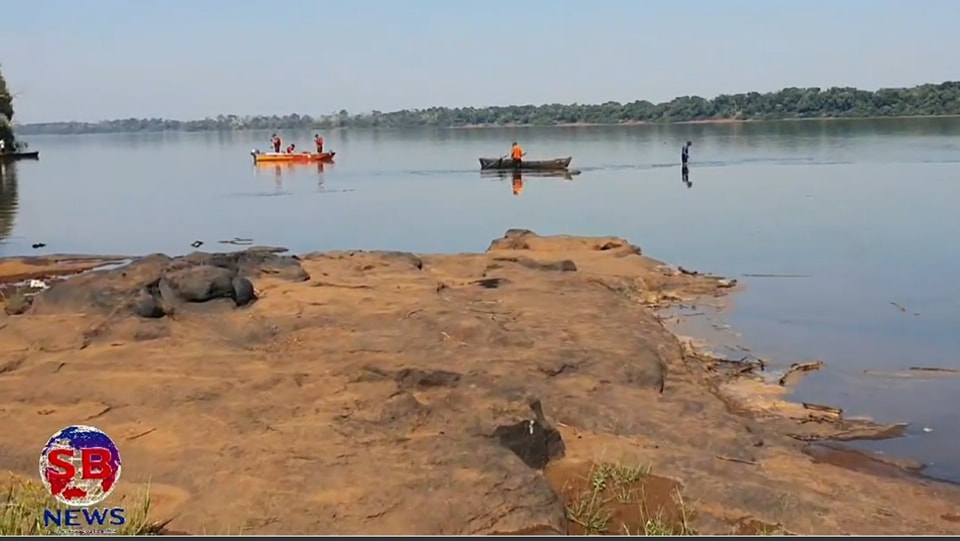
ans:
(6, 114)
(616, 499)
(22, 504)
(789, 103)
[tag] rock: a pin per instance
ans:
(524, 239)
(535, 443)
(532, 439)
(158, 285)
(412, 259)
(412, 378)
(17, 304)
(243, 291)
(146, 305)
(513, 239)
(201, 283)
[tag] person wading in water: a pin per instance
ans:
(685, 153)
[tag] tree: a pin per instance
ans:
(789, 103)
(6, 114)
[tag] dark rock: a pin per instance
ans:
(147, 305)
(409, 378)
(243, 291)
(564, 265)
(201, 283)
(534, 441)
(491, 283)
(157, 285)
(17, 304)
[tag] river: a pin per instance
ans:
(863, 214)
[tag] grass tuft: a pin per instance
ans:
(613, 501)
(22, 504)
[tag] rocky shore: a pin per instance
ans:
(532, 388)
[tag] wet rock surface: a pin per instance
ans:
(157, 285)
(386, 392)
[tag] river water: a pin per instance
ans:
(865, 214)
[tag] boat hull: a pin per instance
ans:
(505, 164)
(14, 156)
(302, 157)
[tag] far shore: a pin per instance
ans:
(535, 387)
(502, 126)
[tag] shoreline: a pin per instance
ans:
(420, 360)
(511, 126)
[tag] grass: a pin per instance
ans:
(23, 503)
(613, 500)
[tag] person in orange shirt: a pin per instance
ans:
(319, 141)
(517, 153)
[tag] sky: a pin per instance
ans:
(104, 59)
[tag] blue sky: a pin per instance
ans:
(97, 59)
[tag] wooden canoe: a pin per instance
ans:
(297, 157)
(14, 156)
(502, 164)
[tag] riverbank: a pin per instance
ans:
(25, 129)
(384, 392)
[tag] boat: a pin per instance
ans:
(296, 157)
(503, 164)
(14, 156)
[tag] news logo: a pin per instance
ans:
(80, 467)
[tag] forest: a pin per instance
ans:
(789, 103)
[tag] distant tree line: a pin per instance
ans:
(789, 103)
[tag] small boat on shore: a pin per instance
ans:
(503, 164)
(15, 156)
(296, 157)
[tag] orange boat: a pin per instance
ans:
(295, 157)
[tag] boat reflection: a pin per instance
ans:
(280, 170)
(516, 177)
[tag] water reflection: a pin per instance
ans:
(291, 169)
(9, 200)
(685, 175)
(517, 182)
(516, 177)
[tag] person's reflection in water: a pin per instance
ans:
(278, 177)
(319, 176)
(517, 182)
(685, 176)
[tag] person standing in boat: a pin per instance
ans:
(685, 153)
(319, 141)
(517, 154)
(276, 142)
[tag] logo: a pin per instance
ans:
(80, 467)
